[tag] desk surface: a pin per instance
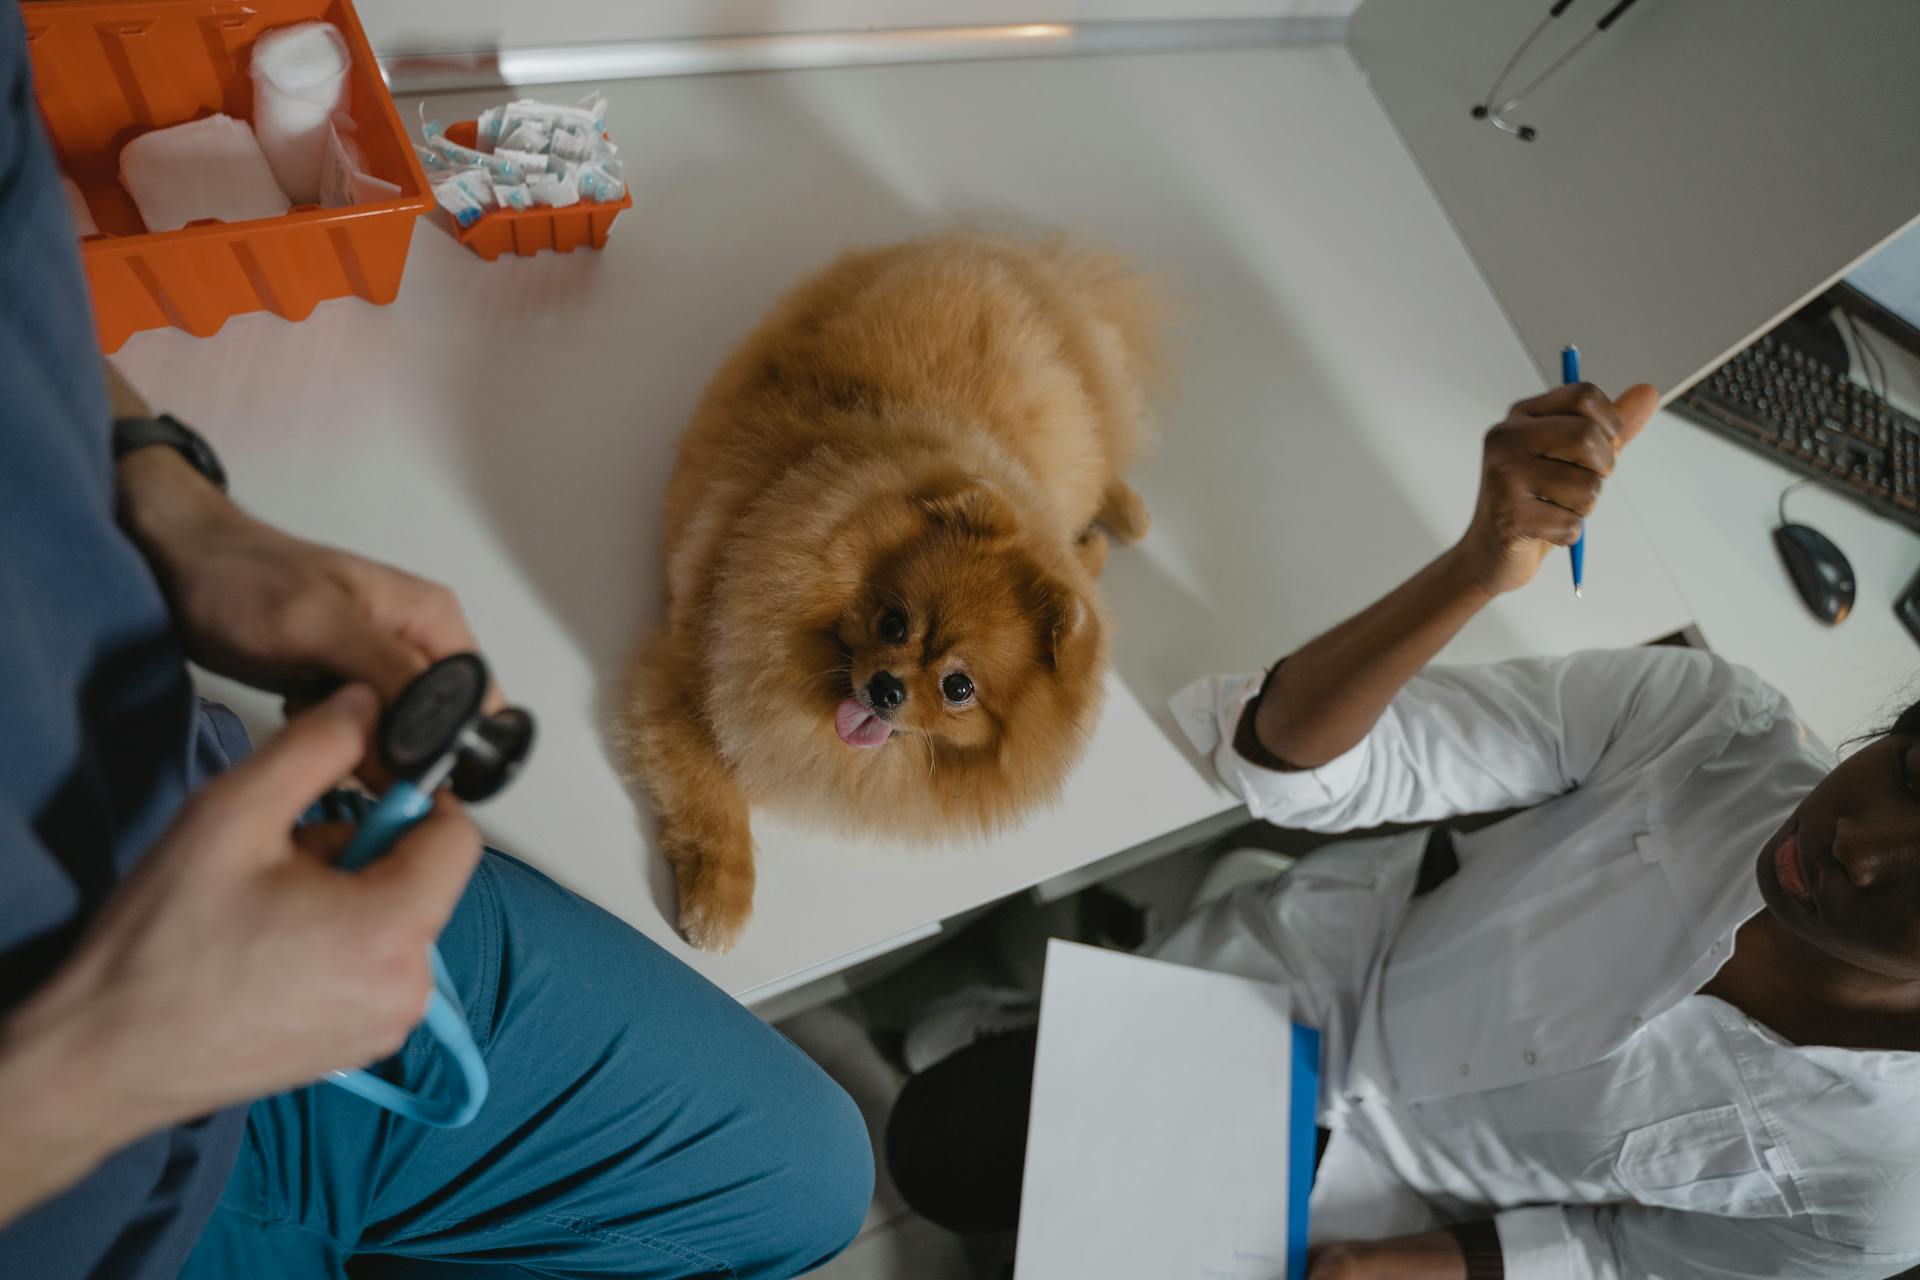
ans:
(508, 427)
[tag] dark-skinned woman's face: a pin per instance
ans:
(1844, 872)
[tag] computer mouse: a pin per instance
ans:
(1820, 571)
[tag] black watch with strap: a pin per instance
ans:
(133, 434)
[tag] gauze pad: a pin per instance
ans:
(209, 168)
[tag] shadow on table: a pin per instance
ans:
(1274, 515)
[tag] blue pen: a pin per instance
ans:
(1570, 372)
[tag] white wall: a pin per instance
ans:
(1700, 168)
(446, 26)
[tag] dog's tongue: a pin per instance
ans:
(859, 727)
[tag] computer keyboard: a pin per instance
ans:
(1785, 403)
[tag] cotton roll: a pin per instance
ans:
(209, 168)
(299, 82)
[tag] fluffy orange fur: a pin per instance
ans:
(936, 429)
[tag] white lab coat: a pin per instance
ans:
(1525, 1041)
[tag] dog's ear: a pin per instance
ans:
(1064, 622)
(970, 506)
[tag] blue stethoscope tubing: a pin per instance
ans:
(404, 805)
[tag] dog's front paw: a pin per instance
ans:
(713, 921)
(1124, 512)
(1092, 550)
(715, 879)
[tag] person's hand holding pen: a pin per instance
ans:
(1541, 473)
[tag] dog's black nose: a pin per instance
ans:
(885, 691)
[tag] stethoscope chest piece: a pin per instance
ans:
(435, 730)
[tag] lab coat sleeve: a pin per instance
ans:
(1480, 739)
(1636, 1242)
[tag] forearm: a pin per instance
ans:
(1436, 1255)
(60, 1114)
(162, 500)
(1540, 472)
(1327, 695)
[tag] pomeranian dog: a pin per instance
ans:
(881, 542)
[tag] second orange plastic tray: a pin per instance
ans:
(528, 231)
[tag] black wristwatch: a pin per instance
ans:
(131, 434)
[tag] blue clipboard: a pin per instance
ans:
(1302, 1145)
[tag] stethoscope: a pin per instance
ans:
(434, 736)
(1493, 107)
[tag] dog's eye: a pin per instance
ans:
(893, 627)
(957, 688)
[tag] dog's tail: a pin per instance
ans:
(1135, 303)
(1129, 312)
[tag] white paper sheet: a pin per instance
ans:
(1160, 1139)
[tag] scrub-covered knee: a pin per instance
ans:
(827, 1177)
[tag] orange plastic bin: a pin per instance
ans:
(106, 73)
(528, 231)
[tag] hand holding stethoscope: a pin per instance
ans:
(434, 735)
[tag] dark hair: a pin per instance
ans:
(1908, 722)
